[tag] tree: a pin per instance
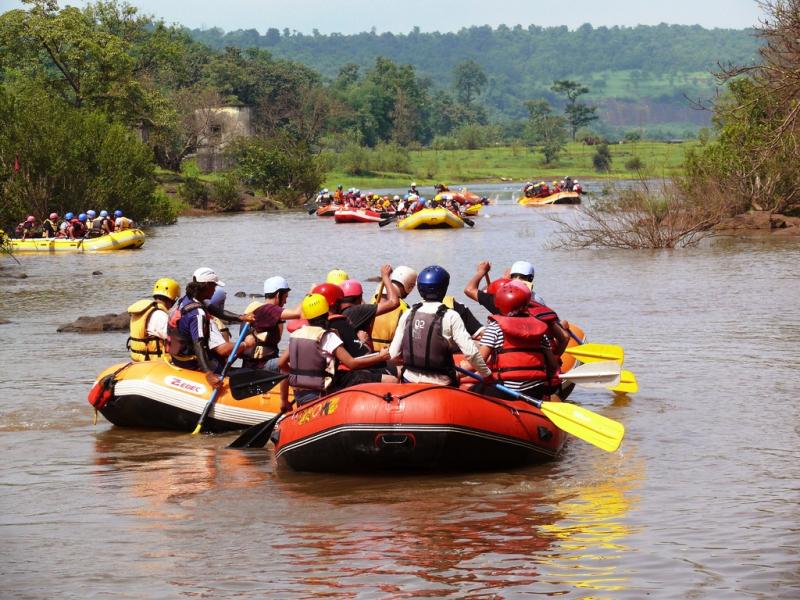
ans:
(577, 113)
(602, 159)
(468, 81)
(545, 129)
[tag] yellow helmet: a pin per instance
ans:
(167, 287)
(336, 276)
(555, 183)
(313, 306)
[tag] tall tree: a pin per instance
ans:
(545, 129)
(468, 81)
(577, 113)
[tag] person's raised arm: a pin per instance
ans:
(481, 271)
(392, 300)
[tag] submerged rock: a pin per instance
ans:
(4, 321)
(109, 322)
(241, 294)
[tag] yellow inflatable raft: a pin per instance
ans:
(119, 240)
(432, 218)
(558, 198)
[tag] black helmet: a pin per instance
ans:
(432, 283)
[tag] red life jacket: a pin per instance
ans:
(521, 357)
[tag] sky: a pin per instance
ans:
(400, 16)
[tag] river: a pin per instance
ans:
(701, 501)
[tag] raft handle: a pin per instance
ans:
(383, 440)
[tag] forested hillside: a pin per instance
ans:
(639, 76)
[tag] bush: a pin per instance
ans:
(390, 157)
(444, 142)
(602, 159)
(194, 192)
(225, 194)
(354, 159)
(634, 164)
(163, 209)
(70, 160)
(633, 136)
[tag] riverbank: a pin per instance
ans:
(519, 164)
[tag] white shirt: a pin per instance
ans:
(157, 324)
(453, 331)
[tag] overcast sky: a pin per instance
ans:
(400, 16)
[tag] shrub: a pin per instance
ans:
(602, 159)
(634, 164)
(444, 142)
(354, 159)
(390, 157)
(163, 209)
(194, 192)
(225, 194)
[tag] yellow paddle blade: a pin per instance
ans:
(596, 429)
(627, 384)
(595, 352)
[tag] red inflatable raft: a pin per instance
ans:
(414, 426)
(349, 215)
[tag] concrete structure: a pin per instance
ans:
(218, 128)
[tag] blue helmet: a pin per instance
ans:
(432, 283)
(103, 213)
(69, 216)
(82, 217)
(91, 214)
(118, 213)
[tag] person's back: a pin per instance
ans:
(428, 334)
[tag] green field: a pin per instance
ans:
(660, 159)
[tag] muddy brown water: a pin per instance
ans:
(701, 501)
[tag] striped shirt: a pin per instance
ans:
(493, 338)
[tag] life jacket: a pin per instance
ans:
(521, 358)
(96, 229)
(124, 223)
(144, 347)
(265, 348)
(544, 313)
(384, 326)
(78, 228)
(424, 347)
(308, 365)
(179, 344)
(49, 228)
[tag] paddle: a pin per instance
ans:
(258, 435)
(248, 383)
(215, 393)
(626, 385)
(595, 429)
(468, 222)
(596, 352)
(388, 220)
(312, 211)
(597, 374)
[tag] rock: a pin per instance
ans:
(256, 295)
(109, 322)
(240, 294)
(97, 272)
(17, 276)
(760, 221)
(4, 321)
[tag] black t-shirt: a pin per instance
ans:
(470, 322)
(487, 302)
(361, 316)
(347, 334)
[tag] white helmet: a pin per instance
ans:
(413, 184)
(406, 277)
(396, 197)
(276, 284)
(522, 267)
(206, 275)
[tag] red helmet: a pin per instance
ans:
(511, 298)
(332, 292)
(351, 288)
(492, 288)
(53, 216)
(31, 219)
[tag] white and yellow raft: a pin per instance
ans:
(432, 218)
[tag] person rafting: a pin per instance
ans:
(269, 316)
(50, 226)
(403, 280)
(77, 228)
(413, 189)
(362, 316)
(428, 334)
(121, 222)
(189, 326)
(27, 229)
(148, 321)
(516, 346)
(313, 353)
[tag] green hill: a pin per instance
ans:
(639, 76)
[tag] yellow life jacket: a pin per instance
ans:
(384, 326)
(448, 301)
(142, 346)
